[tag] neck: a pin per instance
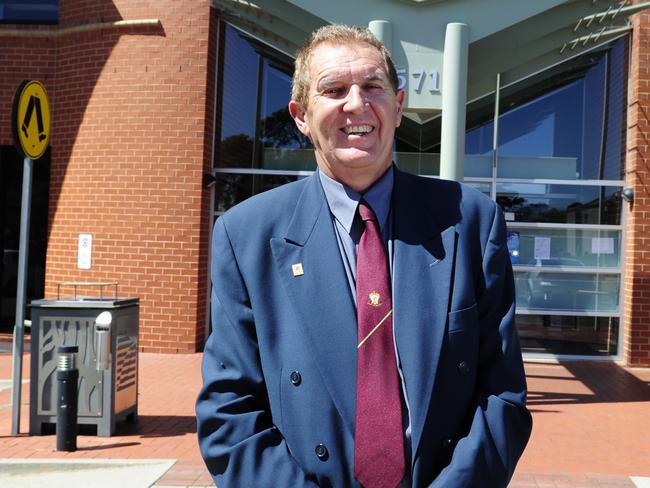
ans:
(357, 181)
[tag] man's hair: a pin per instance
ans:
(335, 34)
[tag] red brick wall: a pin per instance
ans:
(80, 12)
(131, 138)
(637, 256)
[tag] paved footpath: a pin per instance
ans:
(591, 429)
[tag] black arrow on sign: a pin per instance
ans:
(34, 104)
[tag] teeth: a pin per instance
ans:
(358, 129)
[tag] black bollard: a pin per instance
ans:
(66, 412)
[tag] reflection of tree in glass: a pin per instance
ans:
(611, 211)
(510, 203)
(279, 130)
(603, 210)
(530, 212)
(542, 212)
(235, 188)
(236, 151)
(232, 189)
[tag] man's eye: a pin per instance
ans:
(333, 91)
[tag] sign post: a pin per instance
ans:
(31, 129)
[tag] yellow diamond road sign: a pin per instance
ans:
(31, 119)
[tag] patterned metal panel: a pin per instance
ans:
(72, 331)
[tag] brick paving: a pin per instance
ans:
(591, 424)
(166, 428)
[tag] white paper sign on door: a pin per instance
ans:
(602, 245)
(542, 247)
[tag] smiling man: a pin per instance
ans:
(363, 318)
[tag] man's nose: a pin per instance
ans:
(354, 101)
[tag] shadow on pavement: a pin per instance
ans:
(158, 426)
(579, 382)
(103, 447)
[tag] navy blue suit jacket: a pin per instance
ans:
(453, 300)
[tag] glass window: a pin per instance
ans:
(567, 122)
(29, 11)
(538, 129)
(417, 146)
(256, 131)
(285, 147)
(615, 123)
(238, 101)
(232, 189)
(574, 292)
(566, 204)
(553, 334)
(573, 248)
(419, 163)
(479, 137)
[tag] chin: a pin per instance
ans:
(358, 158)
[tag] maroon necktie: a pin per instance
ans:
(378, 438)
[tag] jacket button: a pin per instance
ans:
(448, 443)
(321, 452)
(295, 377)
(463, 367)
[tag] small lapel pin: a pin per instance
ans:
(297, 269)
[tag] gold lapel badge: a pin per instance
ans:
(297, 269)
(373, 299)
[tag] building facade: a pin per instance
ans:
(167, 113)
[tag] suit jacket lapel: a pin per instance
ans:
(423, 264)
(321, 297)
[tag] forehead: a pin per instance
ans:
(333, 61)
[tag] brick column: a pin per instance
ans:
(129, 148)
(636, 303)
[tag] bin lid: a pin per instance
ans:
(85, 302)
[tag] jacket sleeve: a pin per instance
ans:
(499, 423)
(237, 438)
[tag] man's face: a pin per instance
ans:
(351, 113)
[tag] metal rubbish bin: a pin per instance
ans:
(107, 359)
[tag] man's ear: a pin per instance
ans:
(400, 106)
(298, 114)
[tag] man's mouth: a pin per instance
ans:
(358, 130)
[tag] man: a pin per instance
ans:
(363, 318)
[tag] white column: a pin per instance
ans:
(454, 99)
(383, 31)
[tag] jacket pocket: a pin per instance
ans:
(463, 319)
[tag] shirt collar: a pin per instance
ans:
(343, 201)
